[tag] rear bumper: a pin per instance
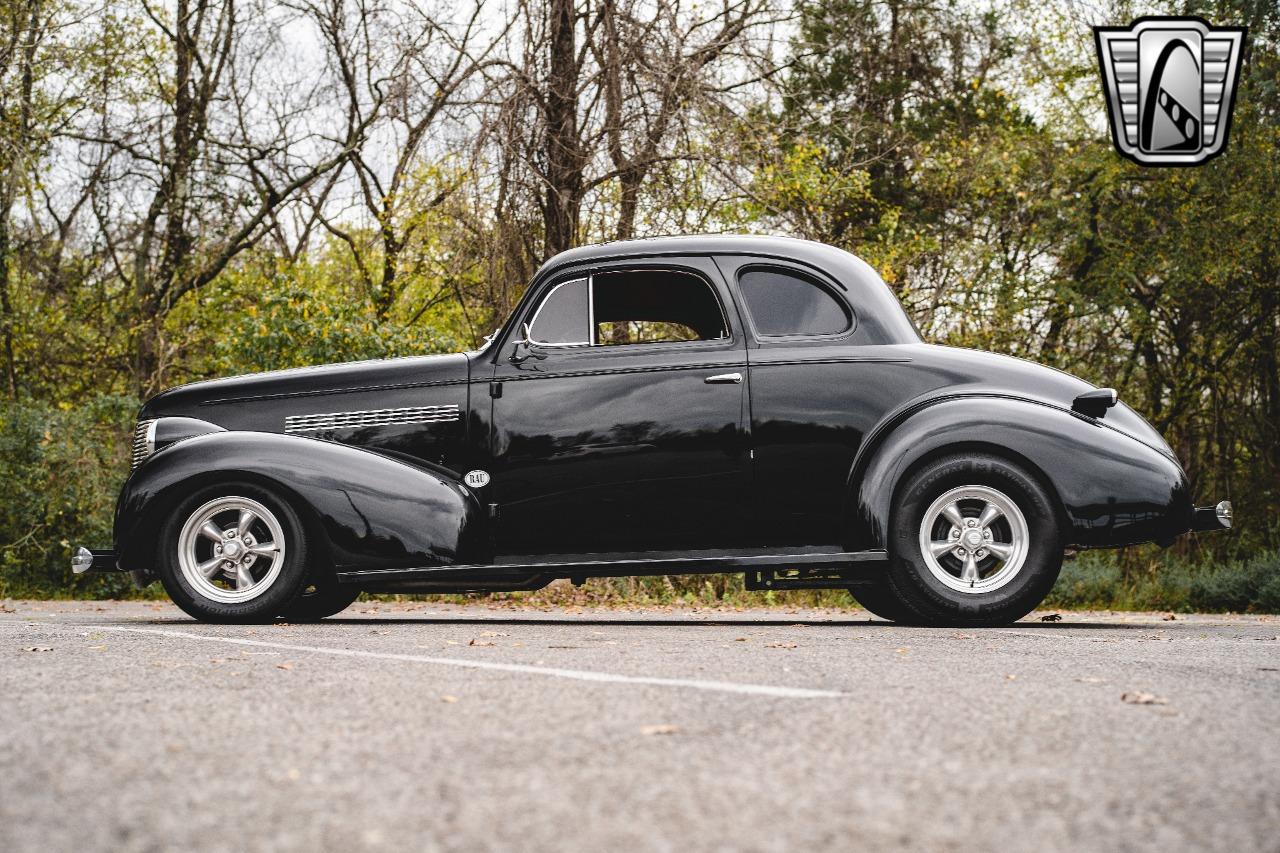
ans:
(1210, 518)
(94, 560)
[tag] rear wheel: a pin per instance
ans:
(881, 601)
(233, 553)
(975, 542)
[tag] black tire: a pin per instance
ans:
(276, 596)
(321, 598)
(881, 601)
(938, 603)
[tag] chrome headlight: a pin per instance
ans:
(144, 442)
(158, 433)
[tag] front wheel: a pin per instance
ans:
(975, 542)
(233, 552)
(321, 598)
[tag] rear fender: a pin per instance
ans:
(370, 511)
(1110, 489)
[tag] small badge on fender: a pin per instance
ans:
(476, 479)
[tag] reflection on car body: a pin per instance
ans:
(695, 404)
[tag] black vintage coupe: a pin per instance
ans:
(689, 404)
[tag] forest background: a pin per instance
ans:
(197, 188)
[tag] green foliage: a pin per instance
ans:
(1099, 581)
(269, 315)
(62, 468)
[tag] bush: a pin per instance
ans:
(62, 469)
(1097, 581)
(1239, 585)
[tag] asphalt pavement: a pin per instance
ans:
(128, 727)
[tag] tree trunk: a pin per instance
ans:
(6, 304)
(562, 146)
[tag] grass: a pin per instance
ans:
(1093, 581)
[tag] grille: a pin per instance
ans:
(371, 417)
(140, 442)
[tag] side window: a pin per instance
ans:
(785, 303)
(565, 315)
(654, 306)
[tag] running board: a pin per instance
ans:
(758, 565)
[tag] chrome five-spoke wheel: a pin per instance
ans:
(231, 549)
(974, 539)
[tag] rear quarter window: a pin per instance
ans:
(783, 303)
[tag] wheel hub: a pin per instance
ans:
(231, 549)
(974, 539)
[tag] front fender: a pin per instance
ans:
(1111, 489)
(370, 511)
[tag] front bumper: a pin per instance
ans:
(1209, 518)
(94, 560)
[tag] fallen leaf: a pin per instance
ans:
(1169, 617)
(479, 643)
(97, 648)
(1137, 697)
(287, 665)
(450, 699)
(1051, 617)
(662, 729)
(739, 639)
(1011, 677)
(1088, 679)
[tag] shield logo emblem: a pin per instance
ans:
(1170, 85)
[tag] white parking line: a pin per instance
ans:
(550, 671)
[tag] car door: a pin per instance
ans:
(809, 393)
(618, 426)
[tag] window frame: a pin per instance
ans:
(527, 337)
(806, 275)
(646, 346)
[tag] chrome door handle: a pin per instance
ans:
(724, 379)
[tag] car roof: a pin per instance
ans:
(818, 254)
(881, 317)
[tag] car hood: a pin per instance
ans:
(233, 393)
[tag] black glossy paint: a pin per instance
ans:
(609, 450)
(622, 448)
(370, 511)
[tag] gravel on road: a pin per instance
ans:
(428, 726)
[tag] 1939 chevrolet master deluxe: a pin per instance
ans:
(691, 404)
